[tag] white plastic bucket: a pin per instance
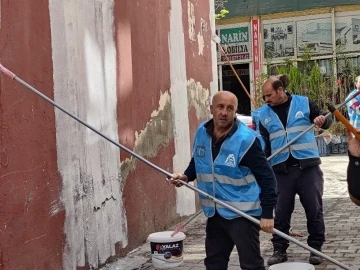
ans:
(166, 251)
(292, 266)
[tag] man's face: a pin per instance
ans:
(271, 96)
(223, 110)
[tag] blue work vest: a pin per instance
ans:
(298, 120)
(353, 108)
(256, 118)
(223, 178)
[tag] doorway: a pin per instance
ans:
(231, 83)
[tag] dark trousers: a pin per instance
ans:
(221, 237)
(308, 183)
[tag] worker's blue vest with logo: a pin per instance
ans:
(223, 178)
(298, 120)
(353, 108)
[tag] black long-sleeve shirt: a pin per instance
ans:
(353, 178)
(282, 110)
(256, 161)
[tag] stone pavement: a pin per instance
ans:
(341, 216)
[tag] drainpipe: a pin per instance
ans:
(333, 32)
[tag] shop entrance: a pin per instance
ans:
(231, 83)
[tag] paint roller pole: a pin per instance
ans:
(37, 92)
(169, 175)
(343, 120)
(217, 41)
(312, 126)
(181, 226)
(256, 221)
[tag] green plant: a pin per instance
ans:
(222, 14)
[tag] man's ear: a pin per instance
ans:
(211, 109)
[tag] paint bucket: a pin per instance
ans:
(292, 266)
(166, 251)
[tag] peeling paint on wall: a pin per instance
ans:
(156, 134)
(200, 39)
(185, 199)
(200, 36)
(84, 64)
(191, 21)
(198, 98)
(214, 85)
(56, 207)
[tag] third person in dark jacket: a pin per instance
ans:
(297, 169)
(353, 170)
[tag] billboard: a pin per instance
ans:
(279, 40)
(316, 35)
(348, 33)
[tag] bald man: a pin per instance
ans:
(228, 163)
(297, 169)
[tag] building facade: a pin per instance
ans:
(260, 37)
(142, 73)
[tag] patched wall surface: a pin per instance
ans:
(140, 72)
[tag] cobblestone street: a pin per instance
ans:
(342, 230)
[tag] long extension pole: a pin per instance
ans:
(236, 75)
(169, 175)
(14, 77)
(216, 39)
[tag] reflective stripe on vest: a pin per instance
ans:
(222, 179)
(242, 206)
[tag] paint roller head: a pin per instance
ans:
(216, 39)
(7, 72)
(177, 230)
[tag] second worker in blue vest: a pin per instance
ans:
(297, 169)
